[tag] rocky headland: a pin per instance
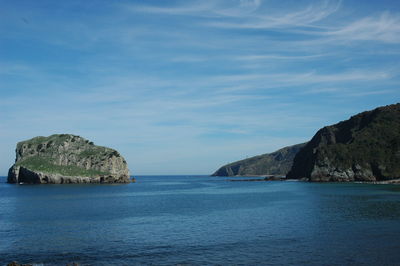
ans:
(275, 163)
(66, 158)
(364, 148)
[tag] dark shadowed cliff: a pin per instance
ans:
(364, 148)
(276, 163)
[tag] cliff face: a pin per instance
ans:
(66, 158)
(276, 163)
(364, 148)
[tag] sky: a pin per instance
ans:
(183, 87)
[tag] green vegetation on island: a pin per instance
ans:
(47, 165)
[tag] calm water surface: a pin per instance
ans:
(199, 220)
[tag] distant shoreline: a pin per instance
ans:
(282, 178)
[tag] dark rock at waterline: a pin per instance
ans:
(247, 180)
(14, 263)
(267, 178)
(275, 178)
(365, 147)
(65, 158)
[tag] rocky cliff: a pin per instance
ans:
(276, 163)
(65, 158)
(364, 148)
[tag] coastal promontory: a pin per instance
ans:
(365, 147)
(66, 158)
(275, 163)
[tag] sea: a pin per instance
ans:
(200, 220)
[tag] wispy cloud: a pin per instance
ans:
(322, 90)
(370, 92)
(248, 13)
(302, 17)
(280, 57)
(384, 27)
(188, 8)
(206, 8)
(312, 77)
(347, 92)
(255, 14)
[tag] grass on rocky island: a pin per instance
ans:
(56, 138)
(82, 147)
(46, 165)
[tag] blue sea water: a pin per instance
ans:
(200, 220)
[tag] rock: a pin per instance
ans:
(275, 178)
(65, 158)
(276, 163)
(247, 180)
(364, 148)
(14, 263)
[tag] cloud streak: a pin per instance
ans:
(258, 15)
(206, 8)
(304, 17)
(384, 28)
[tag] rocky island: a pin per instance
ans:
(66, 158)
(275, 163)
(364, 148)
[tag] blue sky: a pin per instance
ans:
(183, 87)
